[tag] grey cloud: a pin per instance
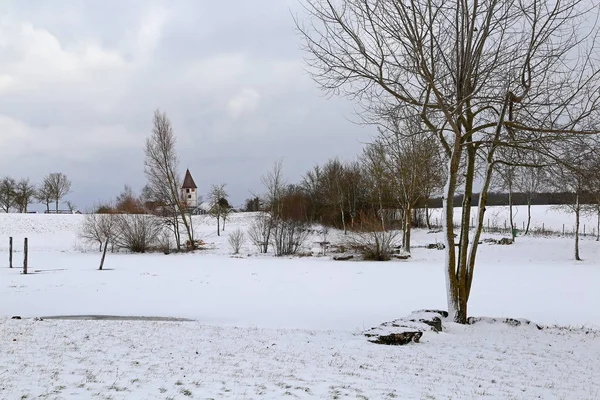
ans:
(79, 81)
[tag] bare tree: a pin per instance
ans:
(574, 173)
(413, 165)
(58, 186)
(137, 233)
(236, 240)
(507, 176)
(275, 187)
(260, 231)
(163, 181)
(8, 187)
(480, 75)
(219, 206)
(531, 181)
(24, 193)
(44, 195)
(99, 228)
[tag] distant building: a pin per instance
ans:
(189, 192)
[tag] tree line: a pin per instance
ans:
(19, 195)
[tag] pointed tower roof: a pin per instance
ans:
(188, 181)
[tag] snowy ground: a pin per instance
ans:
(289, 327)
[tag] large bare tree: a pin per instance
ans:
(58, 186)
(8, 187)
(25, 191)
(481, 75)
(413, 165)
(164, 182)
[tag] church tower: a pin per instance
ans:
(189, 191)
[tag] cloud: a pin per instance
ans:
(79, 82)
(243, 103)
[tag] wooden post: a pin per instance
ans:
(103, 254)
(10, 252)
(25, 257)
(563, 229)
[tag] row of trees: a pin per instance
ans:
(18, 195)
(388, 181)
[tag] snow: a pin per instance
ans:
(267, 327)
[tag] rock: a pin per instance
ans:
(443, 314)
(407, 329)
(401, 256)
(16, 317)
(343, 258)
(509, 321)
(434, 322)
(436, 246)
(398, 339)
(505, 241)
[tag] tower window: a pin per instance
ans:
(189, 196)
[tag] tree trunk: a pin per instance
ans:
(455, 307)
(343, 220)
(25, 251)
(407, 228)
(598, 224)
(218, 224)
(177, 232)
(427, 216)
(103, 255)
(528, 216)
(577, 212)
(57, 206)
(10, 252)
(510, 208)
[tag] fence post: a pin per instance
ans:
(10, 241)
(583, 229)
(563, 229)
(104, 255)
(523, 225)
(25, 257)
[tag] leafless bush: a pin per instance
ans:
(288, 236)
(99, 228)
(236, 240)
(164, 241)
(137, 232)
(374, 243)
(260, 231)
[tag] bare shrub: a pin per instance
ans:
(99, 228)
(137, 232)
(236, 240)
(288, 236)
(374, 243)
(260, 231)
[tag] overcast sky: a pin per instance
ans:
(79, 80)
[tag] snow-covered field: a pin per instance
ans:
(266, 327)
